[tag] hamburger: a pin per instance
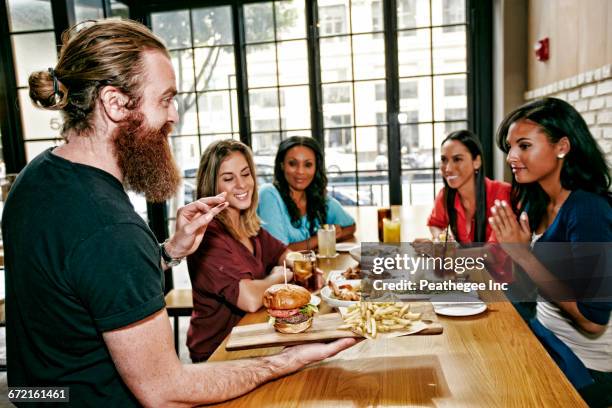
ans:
(289, 308)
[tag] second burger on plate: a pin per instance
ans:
(290, 307)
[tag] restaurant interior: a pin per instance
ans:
(379, 84)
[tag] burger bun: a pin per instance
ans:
(292, 328)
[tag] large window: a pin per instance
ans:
(278, 84)
(353, 60)
(351, 66)
(432, 58)
(32, 38)
(200, 42)
(262, 71)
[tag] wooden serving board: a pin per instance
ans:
(323, 329)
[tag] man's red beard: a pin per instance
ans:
(144, 157)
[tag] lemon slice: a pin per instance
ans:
(294, 256)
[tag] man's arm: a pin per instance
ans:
(144, 356)
(191, 223)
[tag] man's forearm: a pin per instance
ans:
(214, 382)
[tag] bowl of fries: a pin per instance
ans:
(342, 293)
(389, 319)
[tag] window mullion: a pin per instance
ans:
(314, 72)
(244, 118)
(392, 88)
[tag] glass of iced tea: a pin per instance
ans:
(304, 268)
(382, 214)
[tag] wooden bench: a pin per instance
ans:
(179, 302)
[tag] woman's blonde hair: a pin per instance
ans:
(94, 54)
(208, 173)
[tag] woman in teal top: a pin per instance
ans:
(297, 204)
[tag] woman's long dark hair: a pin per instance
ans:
(584, 167)
(471, 142)
(316, 192)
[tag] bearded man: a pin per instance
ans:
(84, 295)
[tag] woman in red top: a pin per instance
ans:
(465, 201)
(237, 259)
(463, 205)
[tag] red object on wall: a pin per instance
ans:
(542, 49)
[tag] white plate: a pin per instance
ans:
(458, 305)
(346, 246)
(315, 300)
(326, 294)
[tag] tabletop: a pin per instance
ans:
(488, 360)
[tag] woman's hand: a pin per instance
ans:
(423, 246)
(277, 274)
(513, 235)
(320, 281)
(338, 231)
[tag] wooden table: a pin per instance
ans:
(179, 302)
(488, 360)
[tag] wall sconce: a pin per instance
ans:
(542, 49)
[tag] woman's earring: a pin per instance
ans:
(560, 155)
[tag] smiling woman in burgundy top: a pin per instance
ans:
(237, 260)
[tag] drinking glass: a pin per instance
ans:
(327, 241)
(392, 230)
(382, 214)
(304, 270)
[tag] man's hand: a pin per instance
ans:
(311, 353)
(191, 223)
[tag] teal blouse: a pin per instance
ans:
(276, 220)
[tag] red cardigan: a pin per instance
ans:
(495, 190)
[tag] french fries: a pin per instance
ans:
(368, 319)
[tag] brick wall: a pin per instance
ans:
(591, 94)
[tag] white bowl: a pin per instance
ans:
(328, 297)
(355, 252)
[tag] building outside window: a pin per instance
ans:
(454, 87)
(332, 20)
(432, 79)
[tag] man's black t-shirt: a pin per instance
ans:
(79, 262)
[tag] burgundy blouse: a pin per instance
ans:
(215, 270)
